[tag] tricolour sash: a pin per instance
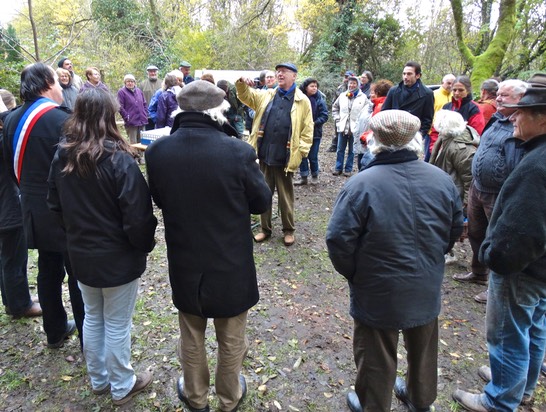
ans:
(25, 126)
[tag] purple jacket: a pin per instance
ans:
(132, 107)
(166, 105)
(88, 85)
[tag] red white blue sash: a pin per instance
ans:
(25, 126)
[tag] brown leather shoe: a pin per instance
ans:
(289, 239)
(481, 297)
(260, 237)
(142, 381)
(34, 310)
(470, 277)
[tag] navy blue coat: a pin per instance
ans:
(207, 185)
(320, 117)
(388, 235)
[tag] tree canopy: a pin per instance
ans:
(325, 38)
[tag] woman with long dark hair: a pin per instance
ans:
(98, 191)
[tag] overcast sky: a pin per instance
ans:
(8, 9)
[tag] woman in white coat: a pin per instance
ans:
(346, 111)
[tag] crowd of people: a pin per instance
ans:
(433, 168)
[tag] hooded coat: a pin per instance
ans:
(453, 154)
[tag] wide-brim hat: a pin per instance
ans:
(394, 127)
(533, 97)
(287, 65)
(200, 95)
(537, 80)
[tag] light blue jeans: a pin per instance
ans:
(107, 336)
(516, 337)
(344, 141)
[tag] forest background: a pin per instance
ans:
(481, 38)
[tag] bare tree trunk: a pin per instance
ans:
(34, 33)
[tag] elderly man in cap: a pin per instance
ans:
(185, 69)
(207, 184)
(149, 87)
(515, 251)
(388, 240)
(133, 108)
(282, 134)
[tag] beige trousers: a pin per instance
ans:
(276, 177)
(232, 349)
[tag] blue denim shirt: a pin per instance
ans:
(496, 157)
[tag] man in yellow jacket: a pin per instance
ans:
(282, 134)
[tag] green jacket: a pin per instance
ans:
(301, 117)
(454, 156)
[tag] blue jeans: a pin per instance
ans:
(107, 336)
(343, 141)
(13, 271)
(312, 159)
(516, 337)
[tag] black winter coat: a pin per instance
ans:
(207, 185)
(42, 229)
(10, 204)
(108, 218)
(420, 104)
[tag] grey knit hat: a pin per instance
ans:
(394, 127)
(200, 95)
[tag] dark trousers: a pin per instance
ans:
(13, 271)
(150, 125)
(51, 272)
(479, 209)
(375, 353)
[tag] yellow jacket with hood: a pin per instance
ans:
(300, 115)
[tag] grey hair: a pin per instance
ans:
(217, 113)
(517, 86)
(449, 123)
(415, 145)
(448, 76)
(490, 86)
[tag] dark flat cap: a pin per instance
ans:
(200, 95)
(289, 66)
